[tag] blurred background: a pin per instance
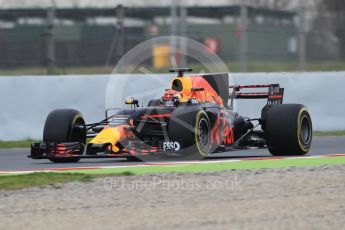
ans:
(89, 37)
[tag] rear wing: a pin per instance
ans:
(274, 93)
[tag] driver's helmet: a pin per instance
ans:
(170, 98)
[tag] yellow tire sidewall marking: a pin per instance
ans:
(299, 127)
(196, 132)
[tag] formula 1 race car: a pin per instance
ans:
(194, 118)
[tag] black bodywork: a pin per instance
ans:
(150, 125)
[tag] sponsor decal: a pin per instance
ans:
(171, 146)
(216, 131)
(228, 132)
(229, 135)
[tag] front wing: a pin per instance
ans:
(76, 150)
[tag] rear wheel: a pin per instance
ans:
(288, 129)
(65, 125)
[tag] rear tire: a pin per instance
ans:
(288, 130)
(63, 125)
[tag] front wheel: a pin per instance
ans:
(192, 126)
(288, 130)
(65, 125)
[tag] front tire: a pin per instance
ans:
(64, 125)
(192, 126)
(288, 130)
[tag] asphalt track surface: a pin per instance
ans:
(16, 159)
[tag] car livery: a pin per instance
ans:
(193, 119)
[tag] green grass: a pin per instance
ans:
(59, 71)
(330, 133)
(20, 181)
(14, 182)
(253, 66)
(267, 66)
(16, 144)
(221, 166)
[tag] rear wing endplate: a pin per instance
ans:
(274, 95)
